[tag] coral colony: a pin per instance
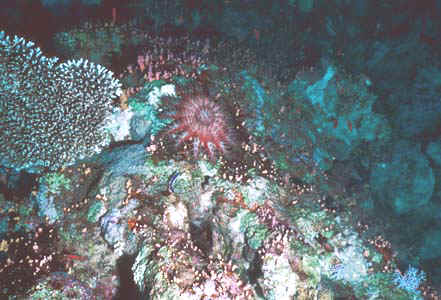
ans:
(191, 170)
(77, 93)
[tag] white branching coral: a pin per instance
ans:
(50, 114)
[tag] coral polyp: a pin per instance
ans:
(203, 122)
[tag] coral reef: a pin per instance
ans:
(234, 165)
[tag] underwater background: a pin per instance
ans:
(235, 149)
